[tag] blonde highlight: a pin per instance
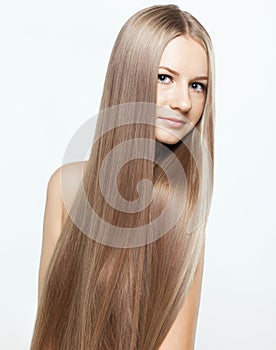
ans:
(104, 297)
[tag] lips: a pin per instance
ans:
(173, 120)
(174, 123)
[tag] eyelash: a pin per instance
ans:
(164, 75)
(203, 86)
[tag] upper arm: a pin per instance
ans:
(52, 225)
(56, 212)
(182, 333)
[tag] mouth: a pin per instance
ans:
(174, 122)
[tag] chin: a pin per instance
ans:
(167, 138)
(168, 142)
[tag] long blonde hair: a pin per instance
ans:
(99, 296)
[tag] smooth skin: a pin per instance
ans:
(182, 86)
(182, 90)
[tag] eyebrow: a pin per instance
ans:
(202, 77)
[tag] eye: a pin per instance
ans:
(164, 78)
(198, 87)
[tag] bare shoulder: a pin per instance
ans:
(182, 333)
(61, 190)
(70, 176)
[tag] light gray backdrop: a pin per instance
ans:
(53, 60)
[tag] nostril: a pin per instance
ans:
(181, 107)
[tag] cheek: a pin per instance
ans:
(198, 105)
(159, 98)
(162, 95)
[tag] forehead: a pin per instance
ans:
(186, 56)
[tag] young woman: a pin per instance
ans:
(109, 278)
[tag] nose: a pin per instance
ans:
(180, 100)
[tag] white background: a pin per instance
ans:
(53, 60)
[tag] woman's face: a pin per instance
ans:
(182, 85)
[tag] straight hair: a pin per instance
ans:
(97, 296)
